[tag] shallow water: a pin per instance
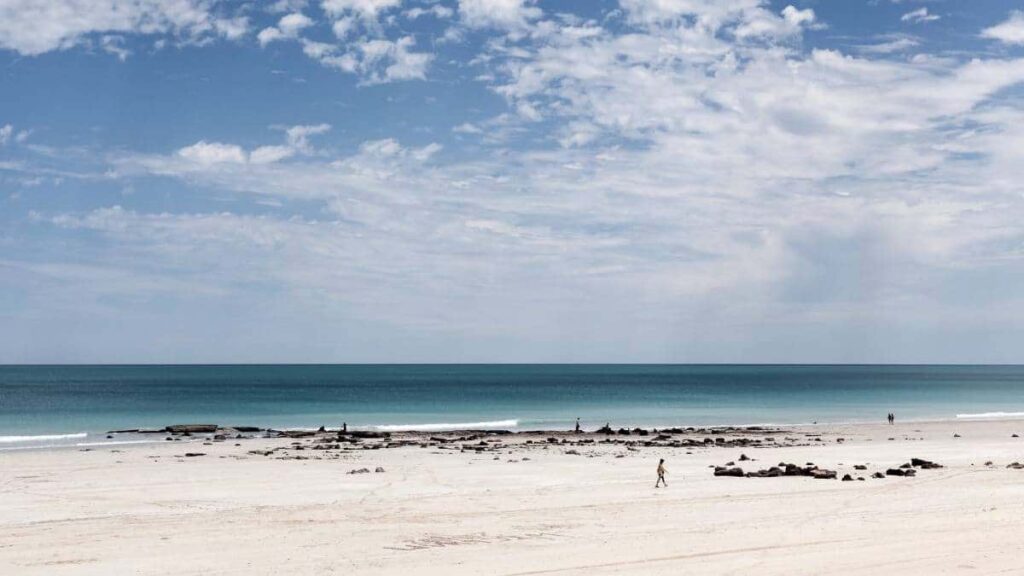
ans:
(71, 400)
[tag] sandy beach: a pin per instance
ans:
(451, 506)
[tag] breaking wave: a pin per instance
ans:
(40, 438)
(993, 415)
(437, 427)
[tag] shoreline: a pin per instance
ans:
(143, 435)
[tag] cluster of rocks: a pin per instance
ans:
(378, 470)
(810, 470)
(783, 469)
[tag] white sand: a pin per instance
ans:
(145, 511)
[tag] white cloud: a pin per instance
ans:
(288, 27)
(889, 46)
(379, 61)
(298, 136)
(918, 16)
(5, 134)
(204, 152)
(1010, 31)
(437, 11)
(467, 128)
(367, 9)
(507, 14)
(31, 27)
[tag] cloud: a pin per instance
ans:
(205, 153)
(31, 28)
(1010, 31)
(918, 16)
(437, 11)
(367, 9)
(380, 61)
(288, 26)
(505, 14)
(901, 44)
(5, 134)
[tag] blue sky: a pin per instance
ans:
(509, 180)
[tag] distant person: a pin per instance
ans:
(577, 425)
(661, 475)
(892, 418)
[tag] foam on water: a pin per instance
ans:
(40, 438)
(991, 415)
(437, 427)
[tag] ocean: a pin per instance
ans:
(76, 405)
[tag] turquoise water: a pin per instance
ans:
(61, 400)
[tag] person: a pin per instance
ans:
(577, 425)
(892, 418)
(661, 474)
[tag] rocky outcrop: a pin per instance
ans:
(191, 428)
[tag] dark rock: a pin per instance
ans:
(723, 471)
(924, 464)
(847, 478)
(359, 471)
(895, 472)
(860, 467)
(191, 428)
(194, 454)
(743, 458)
(822, 474)
(379, 469)
(878, 475)
(1016, 466)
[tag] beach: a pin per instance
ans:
(523, 503)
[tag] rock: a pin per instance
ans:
(379, 469)
(956, 435)
(860, 467)
(847, 478)
(743, 458)
(1014, 436)
(1016, 466)
(895, 472)
(363, 434)
(194, 454)
(822, 474)
(910, 472)
(572, 452)
(109, 437)
(359, 471)
(191, 428)
(924, 464)
(723, 471)
(878, 475)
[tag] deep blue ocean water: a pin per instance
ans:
(61, 400)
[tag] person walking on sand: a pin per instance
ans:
(577, 425)
(661, 474)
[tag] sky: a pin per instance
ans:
(511, 181)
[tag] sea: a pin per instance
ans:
(65, 406)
